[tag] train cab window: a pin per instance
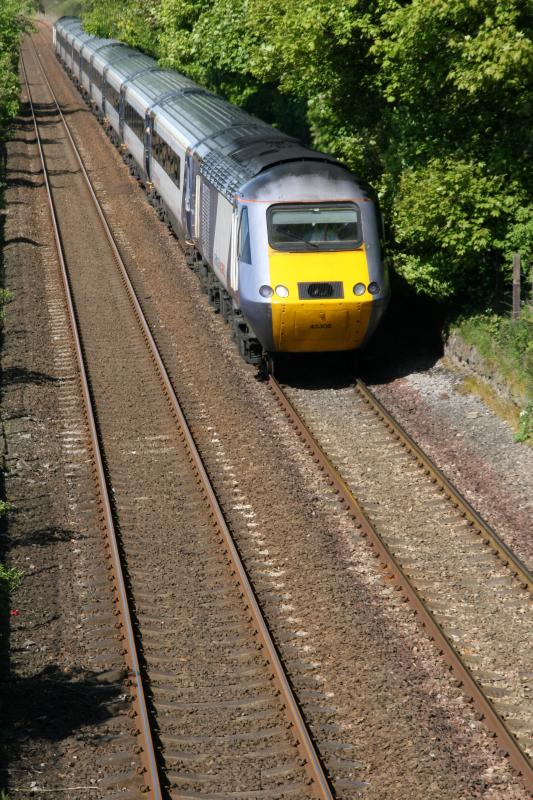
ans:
(307, 227)
(244, 253)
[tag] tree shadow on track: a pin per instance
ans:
(18, 171)
(21, 375)
(42, 537)
(50, 706)
(14, 183)
(22, 240)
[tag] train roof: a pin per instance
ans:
(231, 145)
(95, 44)
(163, 83)
(66, 22)
(111, 52)
(80, 40)
(126, 64)
(91, 44)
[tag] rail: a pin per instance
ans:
(152, 785)
(318, 782)
(395, 573)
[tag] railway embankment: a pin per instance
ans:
(495, 355)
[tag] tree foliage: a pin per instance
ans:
(430, 100)
(14, 21)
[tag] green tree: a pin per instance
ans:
(14, 21)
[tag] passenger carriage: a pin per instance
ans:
(285, 240)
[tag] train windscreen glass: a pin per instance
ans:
(314, 227)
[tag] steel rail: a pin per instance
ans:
(395, 573)
(151, 785)
(318, 782)
(490, 537)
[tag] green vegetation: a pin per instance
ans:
(14, 21)
(4, 508)
(5, 297)
(429, 101)
(507, 348)
(9, 578)
(505, 344)
(9, 581)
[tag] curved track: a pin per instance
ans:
(457, 574)
(193, 608)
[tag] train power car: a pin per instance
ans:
(285, 239)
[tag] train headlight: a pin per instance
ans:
(266, 291)
(373, 287)
(282, 291)
(359, 289)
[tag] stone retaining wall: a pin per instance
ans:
(467, 359)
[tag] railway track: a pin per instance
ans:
(469, 590)
(210, 700)
(355, 705)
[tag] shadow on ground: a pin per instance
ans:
(51, 706)
(22, 375)
(409, 339)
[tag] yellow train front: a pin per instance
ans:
(310, 273)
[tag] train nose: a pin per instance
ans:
(319, 326)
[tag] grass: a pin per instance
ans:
(506, 346)
(9, 581)
(9, 578)
(503, 409)
(4, 508)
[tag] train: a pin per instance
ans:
(286, 241)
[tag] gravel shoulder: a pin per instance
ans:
(471, 445)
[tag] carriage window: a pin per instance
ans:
(97, 78)
(112, 96)
(166, 158)
(244, 238)
(134, 120)
(332, 226)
